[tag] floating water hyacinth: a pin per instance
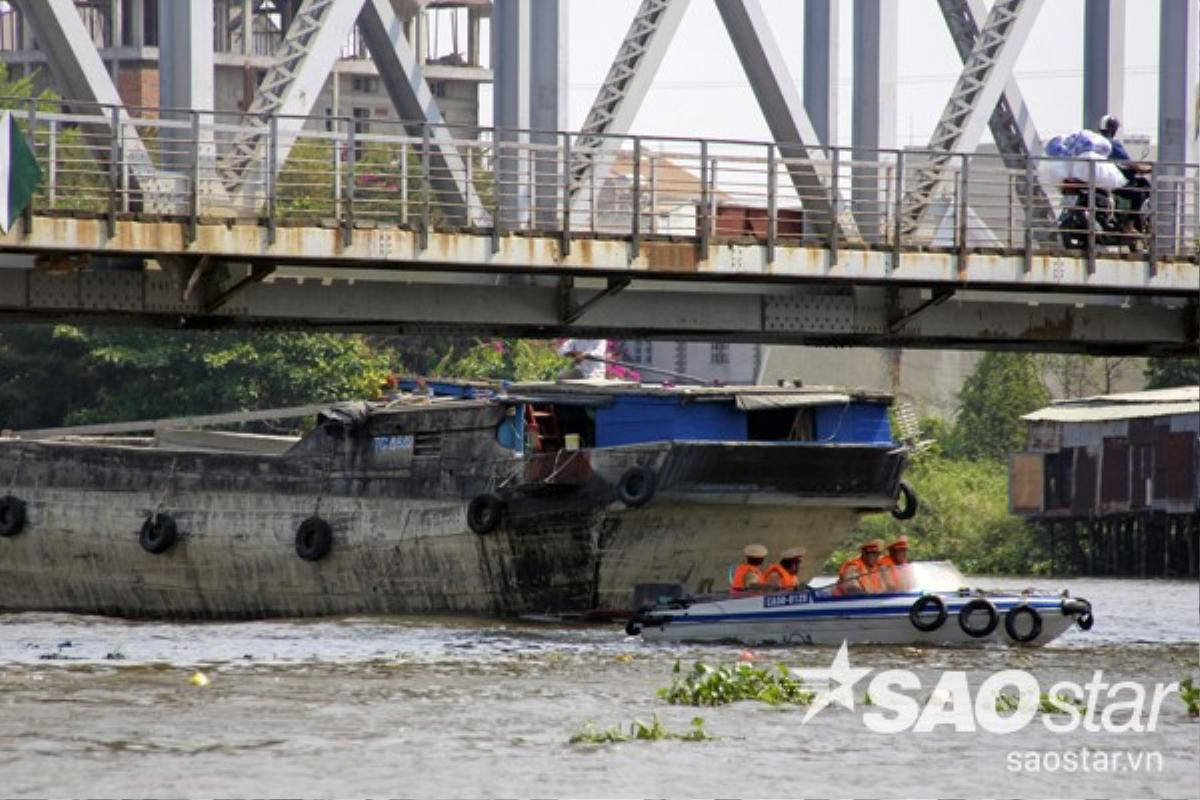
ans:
(655, 731)
(713, 686)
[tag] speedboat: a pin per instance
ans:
(927, 603)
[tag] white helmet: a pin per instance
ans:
(1109, 125)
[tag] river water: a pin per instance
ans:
(459, 707)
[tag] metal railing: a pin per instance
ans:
(118, 162)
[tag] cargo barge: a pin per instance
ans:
(540, 498)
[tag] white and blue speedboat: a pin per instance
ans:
(929, 603)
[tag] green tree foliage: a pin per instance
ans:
(962, 482)
(1003, 387)
(503, 359)
(13, 92)
(71, 375)
(79, 176)
(963, 517)
(1165, 373)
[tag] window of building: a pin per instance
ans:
(364, 84)
(719, 353)
(437, 88)
(640, 351)
(361, 125)
(361, 117)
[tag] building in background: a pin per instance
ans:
(1114, 481)
(719, 362)
(447, 35)
(930, 380)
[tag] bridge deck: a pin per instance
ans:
(838, 250)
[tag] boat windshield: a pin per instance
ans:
(920, 576)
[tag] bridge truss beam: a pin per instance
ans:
(623, 90)
(81, 74)
(784, 111)
(1011, 122)
(416, 303)
(986, 72)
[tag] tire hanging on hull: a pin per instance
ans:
(159, 533)
(920, 607)
(972, 607)
(12, 515)
(314, 539)
(1035, 623)
(485, 513)
(636, 486)
(906, 503)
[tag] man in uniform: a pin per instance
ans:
(894, 567)
(748, 575)
(861, 575)
(783, 576)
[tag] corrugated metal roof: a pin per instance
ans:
(1130, 405)
(1179, 394)
(1110, 412)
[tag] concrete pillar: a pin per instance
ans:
(137, 23)
(1103, 60)
(548, 76)
(473, 38)
(1178, 73)
(873, 122)
(186, 79)
(247, 27)
(511, 32)
(821, 67)
(1178, 76)
(185, 45)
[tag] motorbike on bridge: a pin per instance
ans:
(1119, 218)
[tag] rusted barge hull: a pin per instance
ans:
(568, 531)
(237, 518)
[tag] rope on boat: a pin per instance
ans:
(12, 483)
(162, 498)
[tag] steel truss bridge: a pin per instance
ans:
(184, 217)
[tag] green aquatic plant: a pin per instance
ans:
(1047, 704)
(654, 731)
(706, 685)
(1190, 695)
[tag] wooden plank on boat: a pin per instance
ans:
(198, 421)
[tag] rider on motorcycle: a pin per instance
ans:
(1109, 125)
(1136, 192)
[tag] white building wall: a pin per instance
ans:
(724, 363)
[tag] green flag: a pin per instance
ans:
(19, 172)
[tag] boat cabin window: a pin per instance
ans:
(780, 425)
(549, 427)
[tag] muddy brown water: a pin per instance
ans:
(457, 707)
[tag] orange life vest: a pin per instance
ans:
(897, 577)
(786, 580)
(744, 575)
(868, 578)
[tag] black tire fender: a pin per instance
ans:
(919, 607)
(12, 515)
(906, 502)
(636, 486)
(1010, 623)
(159, 533)
(485, 513)
(314, 539)
(1083, 609)
(974, 606)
